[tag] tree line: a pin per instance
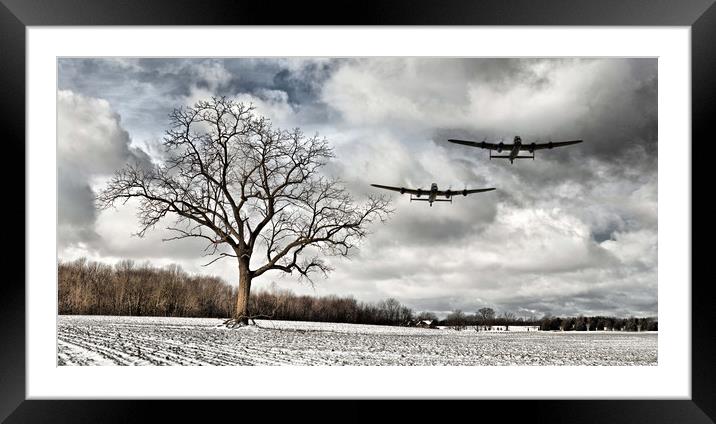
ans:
(95, 288)
(127, 288)
(486, 317)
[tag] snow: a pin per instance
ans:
(110, 340)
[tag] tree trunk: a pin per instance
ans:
(242, 300)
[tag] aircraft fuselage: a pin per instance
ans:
(433, 193)
(515, 149)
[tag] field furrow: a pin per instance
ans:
(105, 340)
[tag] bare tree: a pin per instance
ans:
(456, 319)
(485, 316)
(392, 309)
(254, 193)
(507, 319)
(425, 315)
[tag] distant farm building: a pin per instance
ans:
(520, 328)
(422, 323)
(523, 328)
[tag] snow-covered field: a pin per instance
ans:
(105, 340)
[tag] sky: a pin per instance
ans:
(572, 232)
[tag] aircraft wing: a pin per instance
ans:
(551, 144)
(401, 190)
(463, 192)
(482, 144)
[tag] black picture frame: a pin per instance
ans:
(16, 15)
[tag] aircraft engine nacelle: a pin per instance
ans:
(532, 147)
(448, 194)
(464, 192)
(550, 145)
(402, 190)
(420, 192)
(500, 146)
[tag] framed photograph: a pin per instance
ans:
(495, 207)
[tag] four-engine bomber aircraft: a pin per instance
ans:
(514, 148)
(433, 193)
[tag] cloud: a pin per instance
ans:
(611, 103)
(91, 143)
(574, 231)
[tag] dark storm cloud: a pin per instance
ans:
(177, 77)
(604, 233)
(76, 214)
(617, 119)
(613, 299)
(618, 302)
(145, 90)
(303, 85)
(172, 78)
(417, 228)
(75, 196)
